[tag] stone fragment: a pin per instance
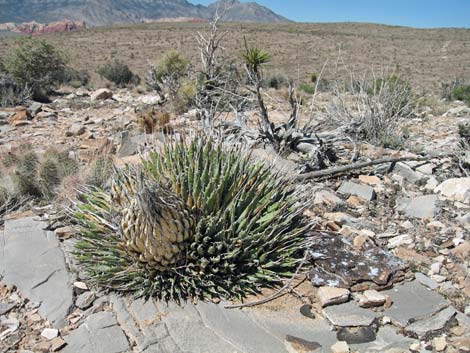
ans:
(57, 344)
(406, 172)
(35, 108)
(306, 310)
(439, 343)
(340, 347)
(9, 326)
(400, 240)
(412, 301)
(428, 328)
(365, 192)
(299, 345)
(85, 300)
(50, 333)
(349, 315)
(457, 189)
(326, 197)
(425, 280)
(80, 285)
(419, 207)
(101, 94)
(5, 308)
(357, 335)
(332, 295)
(371, 298)
(76, 129)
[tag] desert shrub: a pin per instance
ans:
(375, 111)
(12, 93)
(461, 93)
(307, 88)
(458, 89)
(275, 81)
(74, 78)
(118, 73)
(166, 77)
(35, 63)
(153, 120)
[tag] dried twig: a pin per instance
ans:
(360, 165)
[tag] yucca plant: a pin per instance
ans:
(197, 221)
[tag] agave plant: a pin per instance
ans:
(196, 221)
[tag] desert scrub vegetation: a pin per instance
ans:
(26, 174)
(35, 63)
(12, 93)
(458, 89)
(118, 73)
(170, 79)
(195, 222)
(153, 120)
(374, 110)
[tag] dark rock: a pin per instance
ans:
(299, 345)
(357, 335)
(359, 269)
(306, 310)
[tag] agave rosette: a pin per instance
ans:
(197, 221)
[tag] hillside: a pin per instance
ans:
(425, 57)
(107, 12)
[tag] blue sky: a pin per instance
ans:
(414, 13)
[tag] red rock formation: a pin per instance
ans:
(34, 28)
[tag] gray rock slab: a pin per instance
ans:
(237, 328)
(365, 192)
(100, 333)
(431, 327)
(419, 207)
(413, 301)
(6, 307)
(407, 172)
(349, 315)
(427, 281)
(387, 338)
(292, 323)
(189, 332)
(33, 261)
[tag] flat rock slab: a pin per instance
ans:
(419, 207)
(365, 192)
(33, 261)
(337, 263)
(434, 326)
(413, 301)
(387, 339)
(349, 315)
(156, 327)
(100, 333)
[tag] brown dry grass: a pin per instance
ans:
(426, 57)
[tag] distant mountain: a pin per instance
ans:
(107, 12)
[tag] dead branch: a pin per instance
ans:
(360, 165)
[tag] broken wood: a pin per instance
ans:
(360, 165)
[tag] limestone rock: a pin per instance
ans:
(371, 298)
(365, 192)
(85, 300)
(457, 189)
(101, 94)
(332, 295)
(340, 347)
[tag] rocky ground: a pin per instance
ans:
(389, 269)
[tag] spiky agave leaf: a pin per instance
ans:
(248, 233)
